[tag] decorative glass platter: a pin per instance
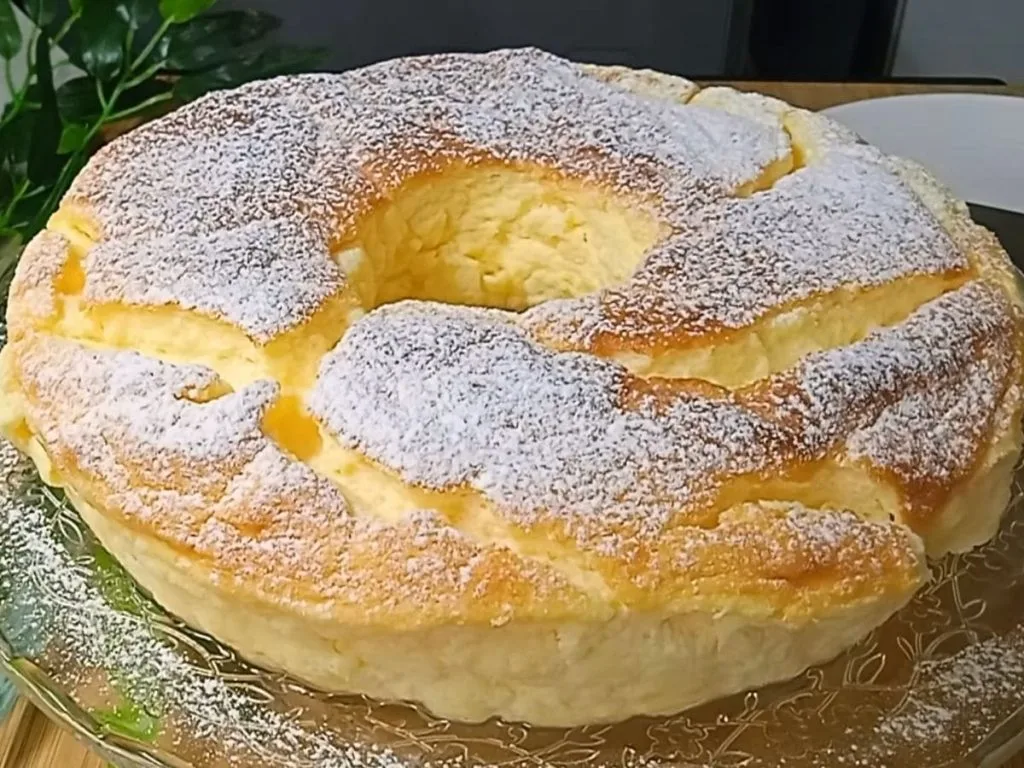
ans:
(940, 684)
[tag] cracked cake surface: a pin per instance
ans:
(516, 386)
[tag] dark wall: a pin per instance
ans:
(817, 40)
(682, 36)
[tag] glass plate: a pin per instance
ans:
(940, 684)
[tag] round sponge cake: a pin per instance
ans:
(518, 387)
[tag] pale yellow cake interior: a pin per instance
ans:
(495, 236)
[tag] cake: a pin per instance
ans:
(518, 387)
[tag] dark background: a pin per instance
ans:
(771, 39)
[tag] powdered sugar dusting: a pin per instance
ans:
(834, 393)
(229, 208)
(258, 288)
(451, 397)
(203, 475)
(97, 636)
(645, 82)
(229, 205)
(845, 222)
(941, 430)
(33, 284)
(131, 417)
(772, 543)
(963, 687)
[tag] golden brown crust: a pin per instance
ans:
(264, 522)
(387, 472)
(260, 522)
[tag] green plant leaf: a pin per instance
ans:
(213, 39)
(100, 38)
(77, 100)
(31, 96)
(10, 32)
(75, 5)
(129, 720)
(180, 11)
(43, 162)
(10, 246)
(15, 140)
(73, 137)
(115, 584)
(244, 26)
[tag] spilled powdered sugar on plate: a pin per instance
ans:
(98, 636)
(959, 688)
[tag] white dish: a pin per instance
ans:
(972, 142)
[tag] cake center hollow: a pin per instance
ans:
(495, 236)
